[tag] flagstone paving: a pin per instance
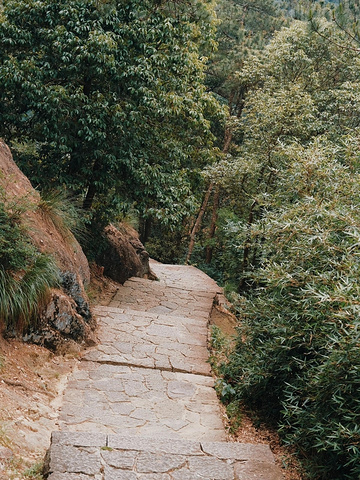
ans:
(142, 403)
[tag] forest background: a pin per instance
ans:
(228, 133)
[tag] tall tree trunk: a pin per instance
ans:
(92, 190)
(197, 224)
(227, 139)
(214, 217)
(210, 249)
(247, 248)
(90, 195)
(145, 230)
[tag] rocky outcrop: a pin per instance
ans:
(39, 225)
(66, 318)
(124, 255)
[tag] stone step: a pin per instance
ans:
(155, 297)
(167, 342)
(140, 401)
(84, 456)
(142, 404)
(184, 277)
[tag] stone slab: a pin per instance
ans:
(126, 457)
(154, 297)
(142, 403)
(151, 340)
(79, 439)
(184, 277)
(238, 451)
(138, 401)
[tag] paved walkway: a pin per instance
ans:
(142, 403)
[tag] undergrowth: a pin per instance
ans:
(221, 347)
(63, 212)
(35, 471)
(25, 274)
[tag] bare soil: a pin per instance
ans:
(102, 289)
(31, 385)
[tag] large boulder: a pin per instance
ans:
(66, 318)
(124, 255)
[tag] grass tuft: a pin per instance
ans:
(25, 274)
(22, 293)
(63, 213)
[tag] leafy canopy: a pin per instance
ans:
(107, 97)
(293, 238)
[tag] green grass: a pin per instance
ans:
(35, 472)
(25, 274)
(23, 292)
(63, 212)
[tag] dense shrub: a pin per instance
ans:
(165, 245)
(297, 355)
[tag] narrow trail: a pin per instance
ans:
(142, 403)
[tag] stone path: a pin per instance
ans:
(142, 403)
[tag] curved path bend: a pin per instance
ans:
(142, 403)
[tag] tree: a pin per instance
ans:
(292, 234)
(107, 98)
(344, 16)
(301, 88)
(244, 27)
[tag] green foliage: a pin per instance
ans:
(302, 87)
(244, 27)
(287, 238)
(165, 245)
(297, 356)
(108, 97)
(221, 346)
(35, 472)
(25, 274)
(13, 251)
(344, 15)
(228, 249)
(234, 414)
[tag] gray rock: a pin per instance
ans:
(211, 468)
(60, 324)
(79, 439)
(72, 287)
(124, 255)
(5, 453)
(158, 463)
(83, 460)
(238, 451)
(115, 474)
(257, 471)
(155, 445)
